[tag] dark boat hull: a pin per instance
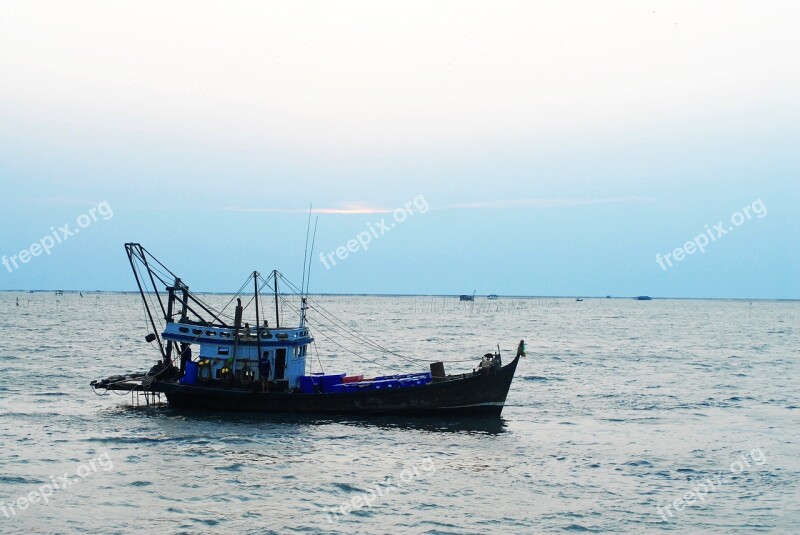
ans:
(473, 394)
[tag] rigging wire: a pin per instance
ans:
(344, 332)
(266, 281)
(322, 332)
(313, 241)
(318, 359)
(238, 292)
(159, 274)
(352, 352)
(360, 337)
(305, 249)
(335, 324)
(149, 297)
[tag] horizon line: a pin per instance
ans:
(503, 296)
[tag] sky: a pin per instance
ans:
(515, 148)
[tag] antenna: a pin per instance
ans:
(311, 256)
(305, 251)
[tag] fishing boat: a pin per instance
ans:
(212, 360)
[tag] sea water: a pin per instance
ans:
(625, 416)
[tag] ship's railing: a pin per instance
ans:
(204, 334)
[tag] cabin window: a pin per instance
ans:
(223, 351)
(210, 333)
(183, 329)
(197, 331)
(225, 334)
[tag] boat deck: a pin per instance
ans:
(482, 393)
(126, 383)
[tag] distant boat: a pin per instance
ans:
(643, 298)
(466, 297)
(492, 297)
(579, 299)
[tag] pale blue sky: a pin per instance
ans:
(559, 146)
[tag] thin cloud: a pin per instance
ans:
(483, 205)
(64, 200)
(545, 203)
(341, 211)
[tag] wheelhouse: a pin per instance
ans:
(221, 348)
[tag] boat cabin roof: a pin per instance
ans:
(189, 333)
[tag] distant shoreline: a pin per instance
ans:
(454, 296)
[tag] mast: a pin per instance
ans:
(237, 324)
(130, 248)
(153, 281)
(184, 300)
(171, 301)
(277, 317)
(305, 254)
(304, 292)
(258, 319)
(168, 319)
